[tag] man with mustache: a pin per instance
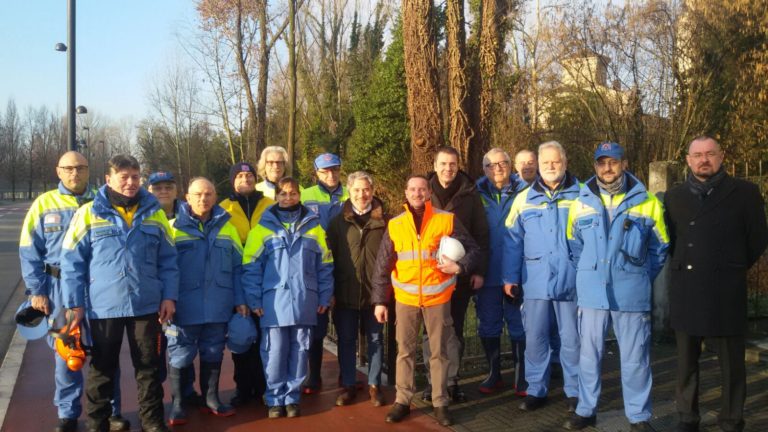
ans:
(718, 231)
(619, 242)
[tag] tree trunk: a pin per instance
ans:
(420, 58)
(250, 136)
(261, 103)
(460, 131)
(292, 72)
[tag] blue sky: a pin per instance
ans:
(121, 47)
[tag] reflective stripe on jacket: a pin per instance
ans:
(536, 252)
(240, 220)
(42, 234)
(114, 270)
(289, 276)
(210, 267)
(497, 204)
(324, 203)
(416, 279)
(617, 261)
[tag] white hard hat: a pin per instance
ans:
(451, 248)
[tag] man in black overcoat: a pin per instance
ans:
(717, 229)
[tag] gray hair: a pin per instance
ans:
(261, 166)
(553, 145)
(359, 175)
(493, 151)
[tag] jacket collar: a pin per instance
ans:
(219, 217)
(486, 187)
(88, 195)
(148, 204)
(635, 191)
(270, 220)
(718, 194)
(466, 185)
(377, 213)
(570, 184)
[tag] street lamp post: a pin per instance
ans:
(71, 6)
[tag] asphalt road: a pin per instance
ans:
(11, 288)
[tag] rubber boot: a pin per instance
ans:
(190, 397)
(518, 357)
(492, 347)
(178, 414)
(209, 386)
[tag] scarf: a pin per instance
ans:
(612, 188)
(703, 189)
(120, 200)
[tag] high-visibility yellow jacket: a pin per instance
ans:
(415, 278)
(240, 220)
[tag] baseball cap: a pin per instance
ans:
(327, 160)
(610, 149)
(31, 323)
(159, 177)
(241, 333)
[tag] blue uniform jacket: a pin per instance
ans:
(210, 267)
(536, 252)
(288, 276)
(497, 204)
(326, 204)
(42, 234)
(115, 270)
(617, 261)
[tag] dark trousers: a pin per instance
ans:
(249, 370)
(144, 342)
(730, 355)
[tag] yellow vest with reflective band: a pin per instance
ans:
(240, 220)
(416, 279)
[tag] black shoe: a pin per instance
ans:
(456, 394)
(66, 425)
(276, 412)
(577, 422)
(572, 403)
(426, 395)
(94, 426)
(443, 416)
(397, 413)
(292, 410)
(641, 427)
(239, 399)
(118, 423)
(532, 403)
(687, 427)
(156, 428)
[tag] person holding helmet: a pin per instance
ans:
(454, 191)
(326, 199)
(210, 264)
(619, 242)
(498, 188)
(119, 269)
(245, 206)
(39, 250)
(407, 266)
(538, 272)
(288, 282)
(272, 166)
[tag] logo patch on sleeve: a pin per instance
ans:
(52, 219)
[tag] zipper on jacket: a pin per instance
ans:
(421, 280)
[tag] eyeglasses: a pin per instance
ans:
(269, 162)
(708, 155)
(71, 169)
(502, 165)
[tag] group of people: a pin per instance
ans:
(556, 259)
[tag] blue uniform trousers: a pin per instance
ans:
(493, 311)
(347, 322)
(207, 339)
(633, 333)
(537, 318)
(284, 354)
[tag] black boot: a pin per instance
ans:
(518, 357)
(189, 396)
(492, 347)
(178, 414)
(313, 381)
(209, 386)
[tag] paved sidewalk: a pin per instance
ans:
(499, 412)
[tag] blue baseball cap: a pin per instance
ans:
(160, 176)
(327, 160)
(241, 333)
(609, 149)
(31, 323)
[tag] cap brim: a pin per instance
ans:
(34, 333)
